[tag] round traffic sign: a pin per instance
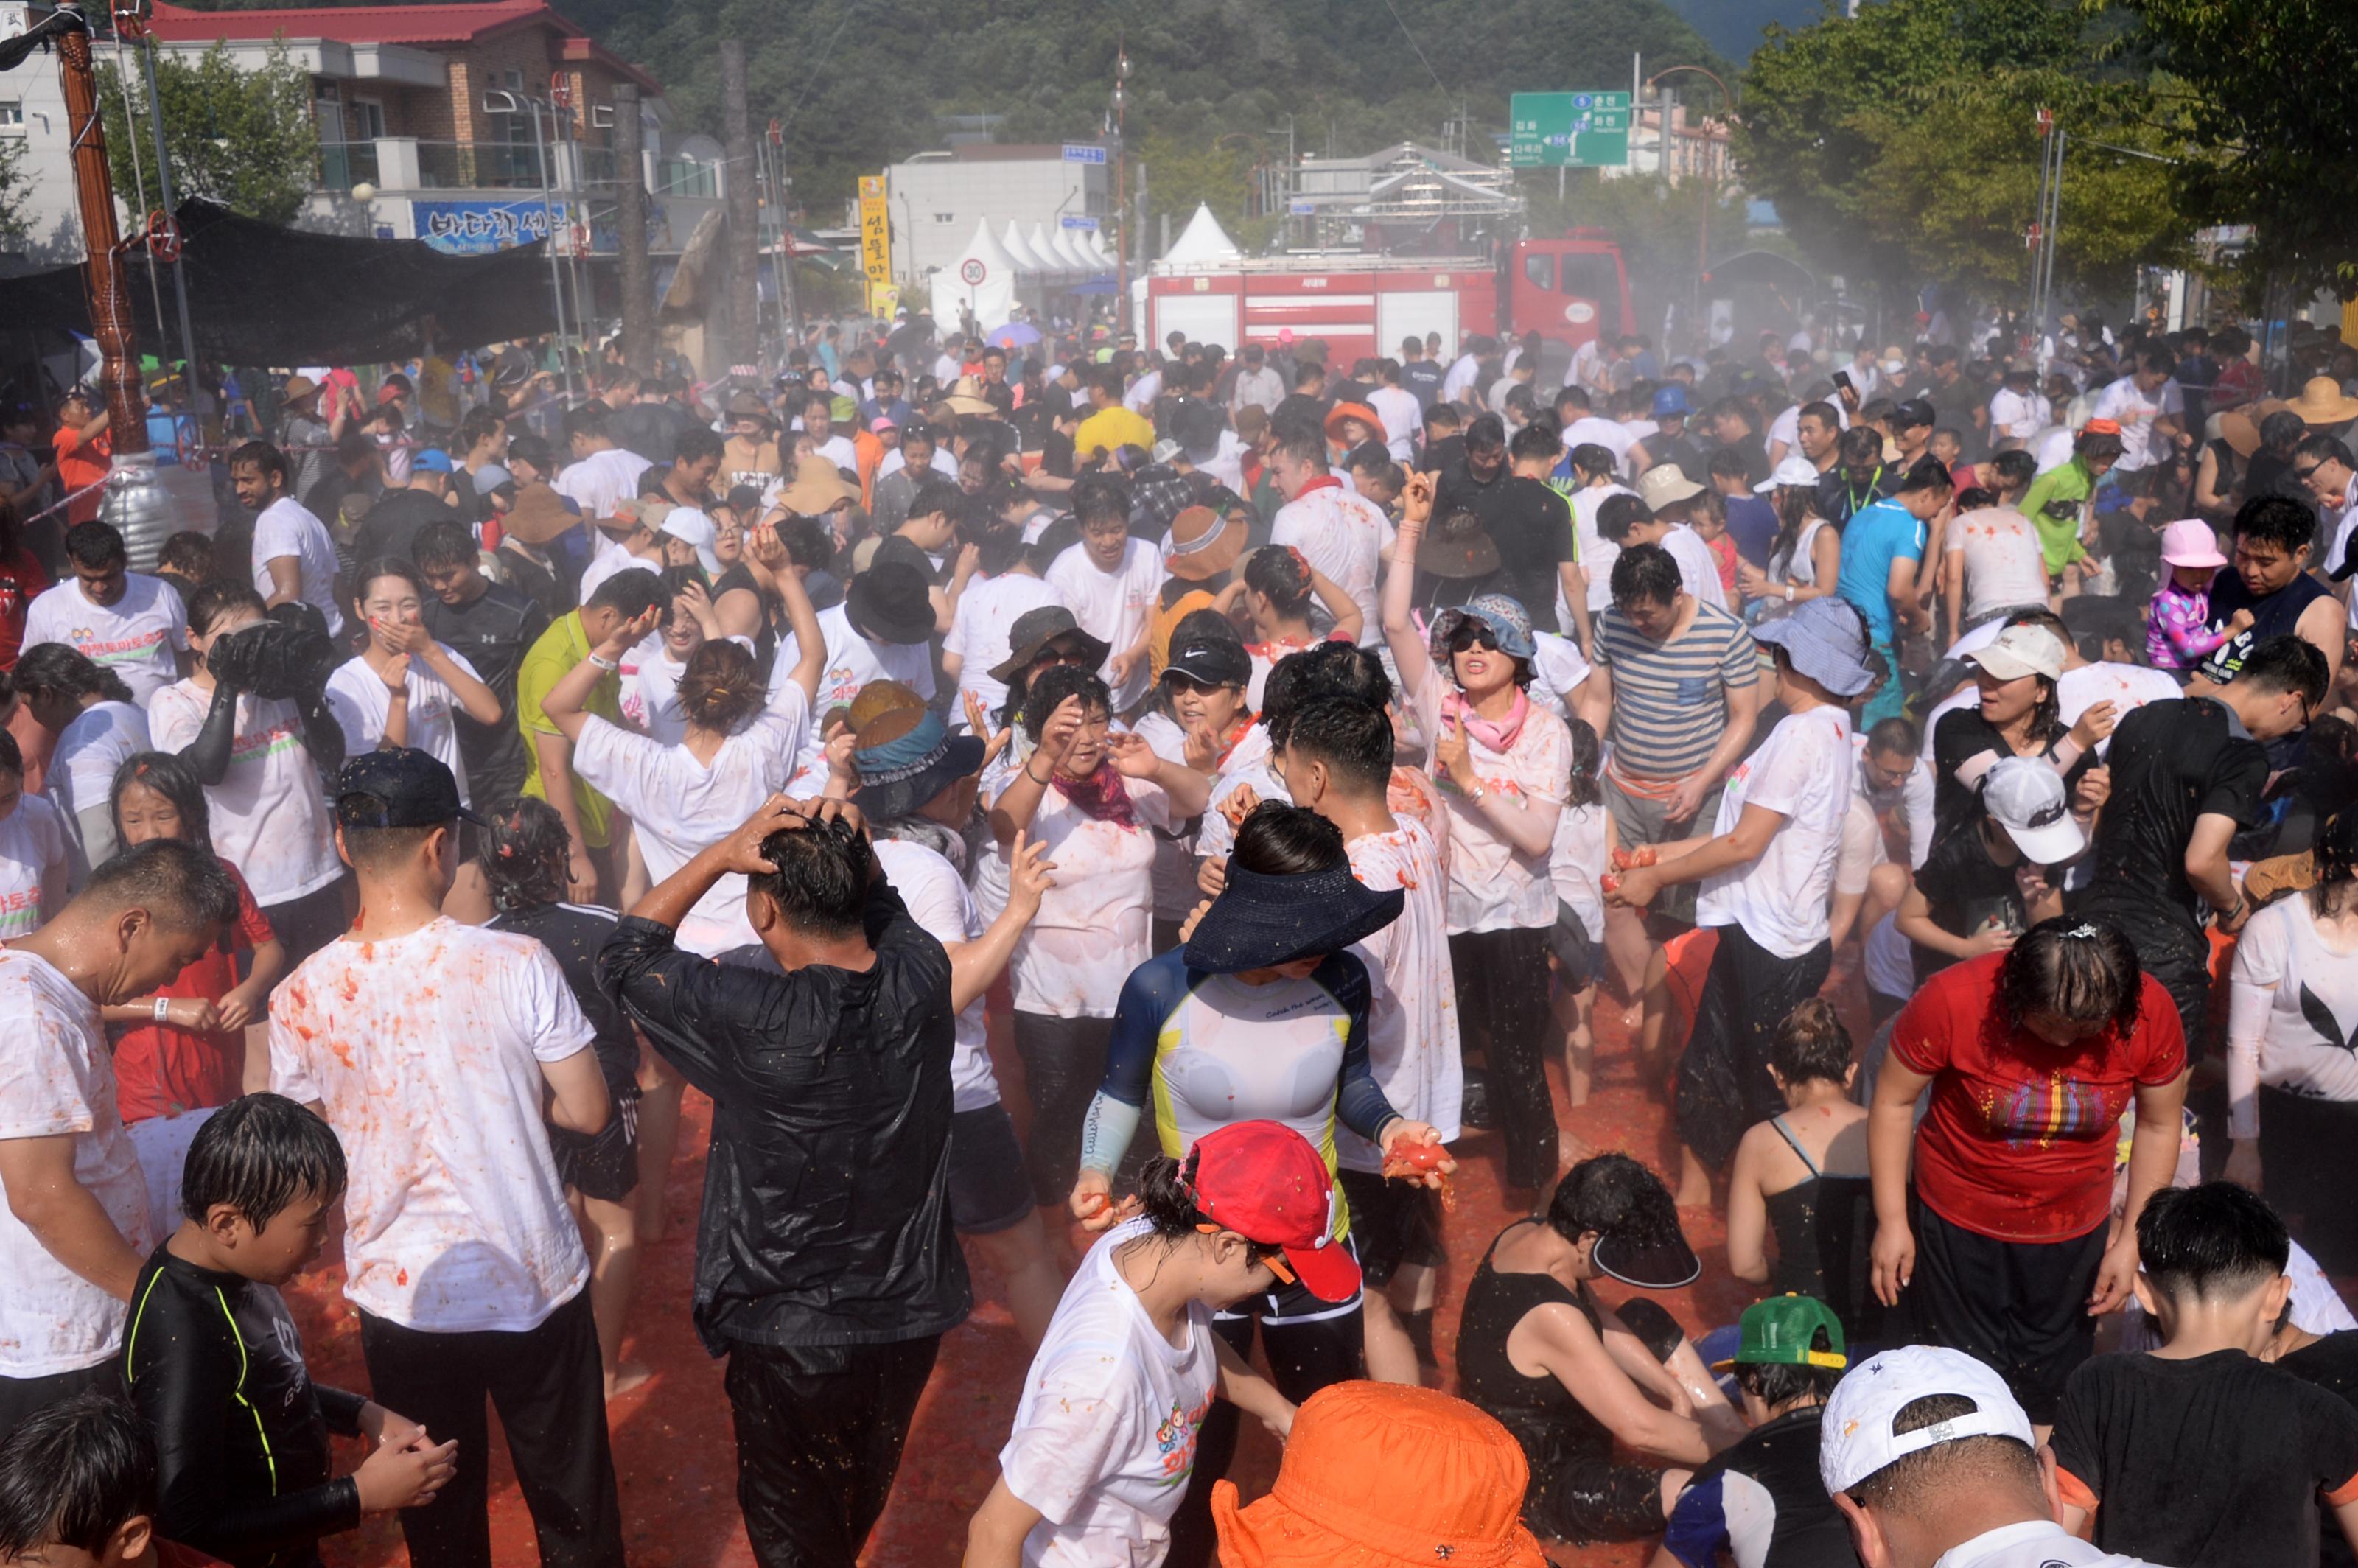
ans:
(972, 272)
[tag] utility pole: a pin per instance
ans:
(744, 209)
(197, 398)
(790, 304)
(630, 191)
(1121, 185)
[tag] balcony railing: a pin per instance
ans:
(343, 165)
(479, 166)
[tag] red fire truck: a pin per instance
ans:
(1569, 290)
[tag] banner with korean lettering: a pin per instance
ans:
(875, 232)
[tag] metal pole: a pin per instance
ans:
(548, 218)
(638, 275)
(197, 399)
(744, 210)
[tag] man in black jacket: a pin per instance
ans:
(827, 1270)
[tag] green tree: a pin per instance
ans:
(14, 225)
(1901, 145)
(2271, 99)
(243, 139)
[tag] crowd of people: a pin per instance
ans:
(1944, 766)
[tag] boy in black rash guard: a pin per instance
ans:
(215, 1367)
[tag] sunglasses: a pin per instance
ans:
(1474, 636)
(2299, 472)
(1274, 1257)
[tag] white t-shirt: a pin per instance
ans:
(32, 852)
(938, 901)
(2124, 685)
(987, 611)
(1576, 865)
(839, 450)
(136, 636)
(852, 661)
(2006, 568)
(1589, 430)
(361, 701)
(1143, 392)
(2125, 402)
(1493, 886)
(1910, 804)
(651, 689)
(1597, 552)
(1412, 1000)
(1402, 415)
(1104, 1435)
(941, 462)
(61, 1077)
(1175, 890)
(425, 1053)
(1115, 606)
(1096, 924)
(1698, 567)
(680, 807)
(287, 528)
(1557, 672)
(1345, 536)
(2054, 449)
(600, 482)
(612, 560)
(269, 815)
(2018, 415)
(101, 738)
(2310, 993)
(2033, 1543)
(1461, 376)
(1247, 765)
(1804, 769)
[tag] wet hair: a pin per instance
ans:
(441, 545)
(96, 545)
(1585, 785)
(1100, 498)
(933, 497)
(183, 885)
(1861, 445)
(1352, 739)
(534, 451)
(1197, 624)
(1047, 693)
(2283, 429)
(721, 688)
(1167, 1200)
(1895, 734)
(2216, 1241)
(260, 456)
(1810, 1043)
(174, 778)
(695, 444)
(1728, 462)
(1928, 473)
(1326, 669)
(632, 591)
(1281, 574)
(589, 421)
(1645, 574)
(211, 603)
(61, 668)
(2287, 662)
(1485, 433)
(2016, 470)
(2289, 524)
(1945, 1471)
(528, 864)
(2083, 970)
(2096, 445)
(74, 1472)
(188, 554)
(1775, 1383)
(258, 1154)
(2337, 861)
(1618, 514)
(1280, 840)
(820, 886)
(1539, 439)
(1614, 1195)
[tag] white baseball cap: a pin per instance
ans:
(2020, 651)
(2025, 796)
(1856, 1439)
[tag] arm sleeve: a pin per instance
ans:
(340, 1408)
(2333, 1428)
(1697, 1532)
(684, 1003)
(1916, 796)
(1079, 1436)
(1154, 991)
(2235, 788)
(2079, 1458)
(1106, 1131)
(1360, 1102)
(1741, 667)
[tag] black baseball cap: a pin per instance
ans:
(1210, 661)
(1913, 413)
(398, 788)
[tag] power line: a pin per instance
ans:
(1417, 47)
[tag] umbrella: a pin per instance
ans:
(1015, 335)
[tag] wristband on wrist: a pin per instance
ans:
(162, 1010)
(604, 662)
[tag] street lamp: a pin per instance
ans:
(1710, 187)
(500, 101)
(1121, 186)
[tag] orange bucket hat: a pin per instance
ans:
(1385, 1475)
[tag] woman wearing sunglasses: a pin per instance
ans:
(1504, 766)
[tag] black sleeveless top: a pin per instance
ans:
(765, 636)
(1825, 1228)
(1546, 1419)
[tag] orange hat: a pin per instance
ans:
(1385, 1475)
(1359, 411)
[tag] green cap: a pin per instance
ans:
(1781, 1330)
(843, 408)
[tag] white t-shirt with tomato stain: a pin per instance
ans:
(1805, 771)
(1096, 924)
(269, 814)
(1412, 1000)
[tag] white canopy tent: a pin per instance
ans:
(1203, 240)
(1075, 260)
(1025, 262)
(1051, 259)
(1096, 244)
(981, 283)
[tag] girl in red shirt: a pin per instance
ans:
(2000, 1245)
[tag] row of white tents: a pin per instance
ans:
(995, 273)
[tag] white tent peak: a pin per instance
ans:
(1075, 259)
(1019, 252)
(1051, 258)
(1203, 240)
(990, 298)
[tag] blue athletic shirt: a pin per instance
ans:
(1213, 1050)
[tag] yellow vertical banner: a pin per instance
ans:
(875, 234)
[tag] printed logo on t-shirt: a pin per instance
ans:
(113, 650)
(263, 743)
(2043, 1113)
(1176, 1440)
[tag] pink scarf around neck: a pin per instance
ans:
(1499, 735)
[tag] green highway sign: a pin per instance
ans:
(1571, 130)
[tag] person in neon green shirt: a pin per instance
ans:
(2060, 503)
(634, 596)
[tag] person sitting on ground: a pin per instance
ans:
(1802, 1176)
(1539, 1350)
(2199, 1454)
(254, 1480)
(1761, 1501)
(1930, 1462)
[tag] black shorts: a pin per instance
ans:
(1580, 962)
(1392, 1223)
(2019, 1306)
(603, 1164)
(988, 1188)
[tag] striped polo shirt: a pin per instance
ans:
(1669, 705)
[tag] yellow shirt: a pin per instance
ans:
(562, 646)
(1113, 428)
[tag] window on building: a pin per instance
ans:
(12, 114)
(368, 119)
(945, 219)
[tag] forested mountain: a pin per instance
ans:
(859, 84)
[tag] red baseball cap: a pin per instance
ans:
(1263, 1180)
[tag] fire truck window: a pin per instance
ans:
(1540, 270)
(1590, 277)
